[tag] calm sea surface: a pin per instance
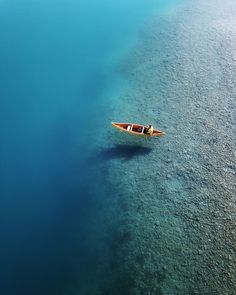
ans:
(57, 63)
(85, 209)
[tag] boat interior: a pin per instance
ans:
(136, 128)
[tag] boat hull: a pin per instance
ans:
(136, 129)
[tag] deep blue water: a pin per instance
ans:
(57, 60)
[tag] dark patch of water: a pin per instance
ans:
(125, 152)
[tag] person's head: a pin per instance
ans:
(150, 125)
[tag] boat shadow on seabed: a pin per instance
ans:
(125, 152)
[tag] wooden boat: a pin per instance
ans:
(136, 129)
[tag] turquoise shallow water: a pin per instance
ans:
(109, 213)
(176, 201)
(58, 63)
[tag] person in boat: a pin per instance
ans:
(149, 130)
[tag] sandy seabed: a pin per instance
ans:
(170, 221)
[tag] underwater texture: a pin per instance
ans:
(105, 213)
(174, 198)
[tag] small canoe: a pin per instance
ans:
(136, 129)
